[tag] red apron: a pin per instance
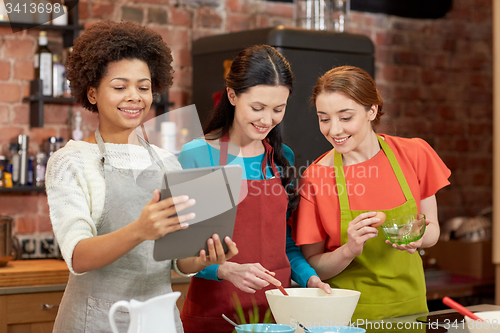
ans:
(260, 235)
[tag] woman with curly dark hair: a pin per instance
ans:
(248, 116)
(105, 219)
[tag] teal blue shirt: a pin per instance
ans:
(199, 154)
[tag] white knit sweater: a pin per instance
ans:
(76, 188)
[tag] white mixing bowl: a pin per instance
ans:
(491, 322)
(312, 307)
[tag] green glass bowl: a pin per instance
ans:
(403, 230)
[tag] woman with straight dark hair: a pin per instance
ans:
(248, 116)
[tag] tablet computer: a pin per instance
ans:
(217, 193)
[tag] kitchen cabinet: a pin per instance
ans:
(29, 313)
(31, 291)
(30, 294)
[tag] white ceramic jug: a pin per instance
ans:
(156, 315)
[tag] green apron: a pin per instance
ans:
(391, 281)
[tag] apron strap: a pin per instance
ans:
(340, 180)
(396, 168)
(102, 150)
(152, 153)
(224, 146)
(341, 183)
(269, 156)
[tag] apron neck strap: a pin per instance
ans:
(268, 158)
(224, 146)
(396, 168)
(152, 153)
(340, 175)
(100, 144)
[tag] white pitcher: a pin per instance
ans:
(156, 315)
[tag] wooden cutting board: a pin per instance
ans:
(34, 272)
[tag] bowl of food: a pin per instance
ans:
(268, 328)
(313, 307)
(404, 229)
(490, 323)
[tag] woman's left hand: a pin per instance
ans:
(413, 246)
(410, 248)
(216, 255)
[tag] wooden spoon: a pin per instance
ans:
(280, 287)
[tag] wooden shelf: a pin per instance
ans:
(20, 189)
(48, 99)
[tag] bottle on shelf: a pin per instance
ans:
(2, 170)
(58, 76)
(60, 18)
(42, 15)
(31, 171)
(43, 64)
(13, 165)
(53, 144)
(23, 141)
(40, 169)
(67, 88)
(7, 171)
(7, 179)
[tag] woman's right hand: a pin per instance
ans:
(359, 231)
(246, 277)
(156, 218)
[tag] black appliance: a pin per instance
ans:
(310, 52)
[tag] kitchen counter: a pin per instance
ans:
(42, 275)
(24, 274)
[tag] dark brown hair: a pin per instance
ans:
(109, 41)
(257, 65)
(355, 83)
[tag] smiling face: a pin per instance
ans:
(123, 98)
(257, 111)
(345, 123)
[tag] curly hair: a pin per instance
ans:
(109, 41)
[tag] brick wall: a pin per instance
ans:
(435, 77)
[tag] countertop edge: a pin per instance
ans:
(32, 289)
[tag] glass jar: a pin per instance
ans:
(322, 14)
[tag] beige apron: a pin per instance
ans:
(88, 297)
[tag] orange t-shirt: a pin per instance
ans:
(371, 185)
